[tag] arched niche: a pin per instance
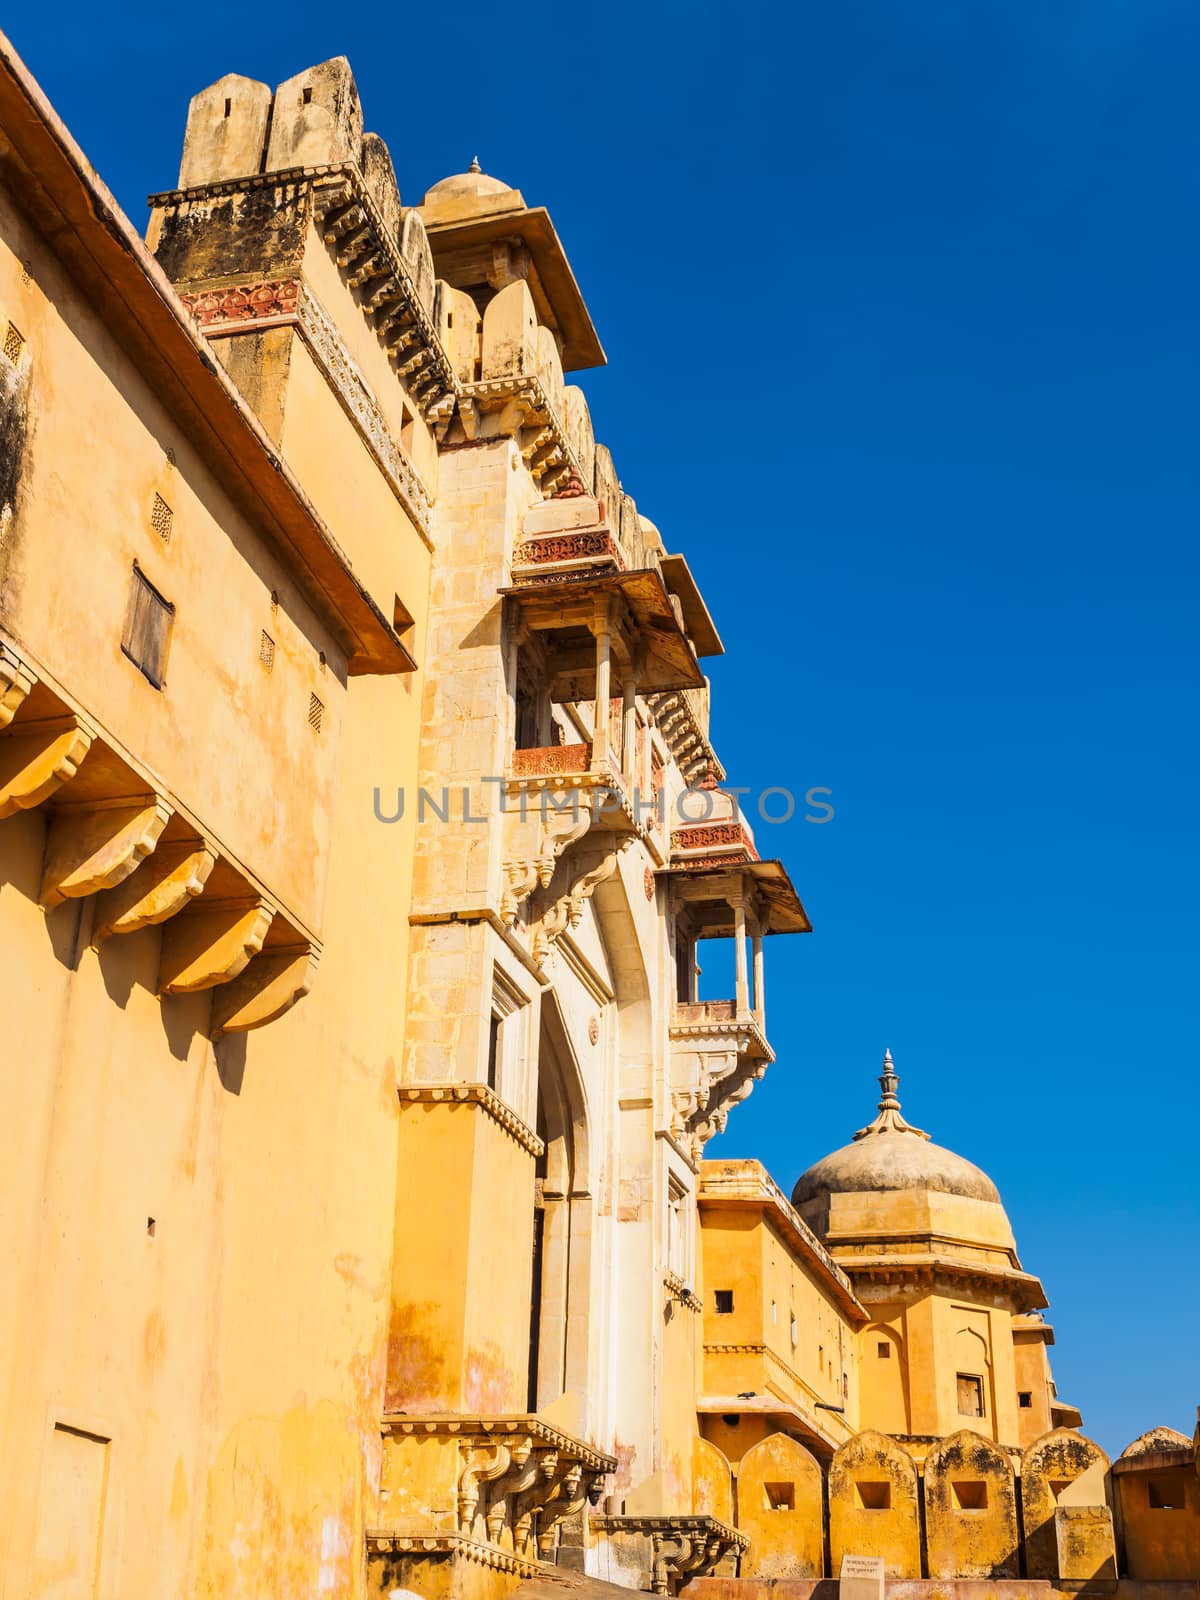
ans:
(1060, 1468)
(883, 1379)
(971, 1509)
(873, 1505)
(780, 1508)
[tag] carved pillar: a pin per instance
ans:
(629, 731)
(742, 989)
(602, 628)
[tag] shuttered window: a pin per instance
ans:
(147, 628)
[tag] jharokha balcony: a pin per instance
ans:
(720, 889)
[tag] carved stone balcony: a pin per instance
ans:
(719, 1051)
(499, 1486)
(662, 1553)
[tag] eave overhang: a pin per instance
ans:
(669, 660)
(556, 293)
(78, 216)
(785, 910)
(1022, 1290)
(701, 628)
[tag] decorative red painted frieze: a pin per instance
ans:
(552, 760)
(583, 545)
(714, 836)
(248, 302)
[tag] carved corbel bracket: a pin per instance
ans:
(271, 984)
(567, 1497)
(567, 911)
(16, 680)
(94, 847)
(559, 831)
(505, 1489)
(163, 884)
(526, 1505)
(671, 1553)
(212, 943)
(482, 1465)
(37, 758)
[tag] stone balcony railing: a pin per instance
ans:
(552, 761)
(695, 1021)
(503, 1483)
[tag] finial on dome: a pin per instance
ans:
(474, 167)
(889, 1119)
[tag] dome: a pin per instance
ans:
(891, 1154)
(464, 185)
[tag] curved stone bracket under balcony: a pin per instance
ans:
(671, 1549)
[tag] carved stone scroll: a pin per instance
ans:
(483, 1466)
(567, 910)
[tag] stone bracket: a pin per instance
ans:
(271, 984)
(159, 888)
(210, 944)
(94, 847)
(37, 758)
(559, 831)
(567, 911)
(16, 680)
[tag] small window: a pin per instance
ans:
(883, 1350)
(316, 713)
(266, 650)
(774, 1312)
(306, 96)
(1025, 1398)
(723, 1301)
(971, 1495)
(147, 629)
(795, 1334)
(874, 1496)
(1166, 1494)
(780, 1496)
(970, 1395)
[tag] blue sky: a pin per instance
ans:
(901, 313)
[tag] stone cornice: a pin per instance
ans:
(345, 210)
(492, 1427)
(679, 1291)
(474, 1094)
(545, 447)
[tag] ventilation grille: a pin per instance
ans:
(14, 343)
(266, 654)
(161, 518)
(316, 713)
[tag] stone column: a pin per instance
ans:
(756, 945)
(739, 953)
(602, 628)
(629, 731)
